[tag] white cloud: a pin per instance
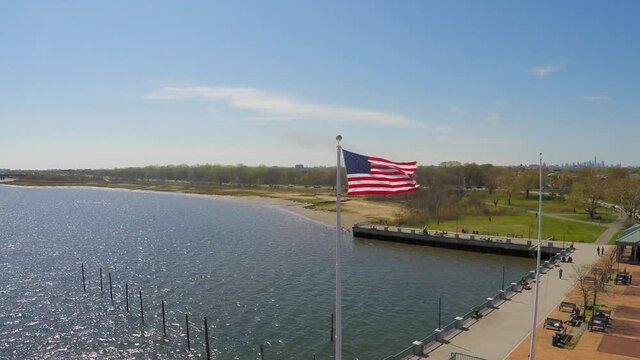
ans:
(544, 70)
(594, 98)
(457, 110)
(442, 128)
(493, 117)
(499, 102)
(283, 108)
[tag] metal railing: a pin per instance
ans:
(475, 313)
(459, 356)
(490, 237)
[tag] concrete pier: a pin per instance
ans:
(470, 242)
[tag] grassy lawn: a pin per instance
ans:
(607, 216)
(551, 206)
(615, 237)
(562, 208)
(524, 224)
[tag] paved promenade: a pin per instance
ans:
(498, 333)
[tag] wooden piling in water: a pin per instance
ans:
(84, 287)
(101, 290)
(164, 324)
(206, 337)
(110, 289)
(186, 322)
(261, 352)
(331, 340)
(440, 313)
(126, 295)
(141, 307)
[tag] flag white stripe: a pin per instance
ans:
(382, 182)
(404, 167)
(382, 189)
(378, 176)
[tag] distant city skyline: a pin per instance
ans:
(119, 84)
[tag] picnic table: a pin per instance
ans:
(599, 323)
(563, 337)
(622, 278)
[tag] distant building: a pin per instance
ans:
(586, 164)
(299, 166)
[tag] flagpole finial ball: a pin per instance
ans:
(339, 137)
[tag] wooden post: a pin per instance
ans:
(439, 313)
(164, 324)
(110, 289)
(331, 328)
(126, 295)
(261, 352)
(101, 290)
(206, 337)
(186, 316)
(84, 287)
(141, 307)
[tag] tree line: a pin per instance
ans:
(448, 190)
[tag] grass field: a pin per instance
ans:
(561, 208)
(615, 237)
(524, 224)
(551, 206)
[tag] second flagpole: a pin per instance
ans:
(338, 342)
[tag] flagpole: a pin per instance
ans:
(532, 348)
(338, 342)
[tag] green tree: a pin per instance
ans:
(588, 191)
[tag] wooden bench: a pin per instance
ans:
(567, 306)
(552, 323)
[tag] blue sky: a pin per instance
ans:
(273, 82)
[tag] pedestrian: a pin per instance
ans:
(598, 250)
(560, 273)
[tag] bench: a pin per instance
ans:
(598, 323)
(552, 323)
(567, 306)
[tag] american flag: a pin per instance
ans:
(368, 175)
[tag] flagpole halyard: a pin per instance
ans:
(532, 347)
(338, 336)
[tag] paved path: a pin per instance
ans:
(498, 333)
(611, 229)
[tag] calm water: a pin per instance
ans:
(260, 274)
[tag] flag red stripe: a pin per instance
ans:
(387, 186)
(373, 158)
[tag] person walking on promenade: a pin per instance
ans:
(560, 273)
(598, 250)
